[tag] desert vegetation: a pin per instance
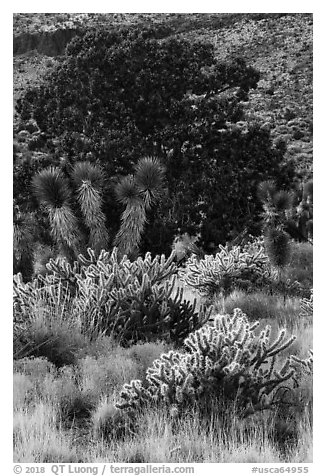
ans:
(163, 240)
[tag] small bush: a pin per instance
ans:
(36, 368)
(105, 375)
(67, 395)
(22, 389)
(108, 421)
(57, 341)
(145, 354)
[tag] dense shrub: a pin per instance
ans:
(37, 368)
(120, 95)
(225, 361)
(106, 374)
(110, 422)
(58, 341)
(22, 390)
(145, 354)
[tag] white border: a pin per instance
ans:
(319, 176)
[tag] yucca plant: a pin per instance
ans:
(149, 176)
(277, 206)
(89, 182)
(278, 247)
(133, 218)
(52, 190)
(138, 193)
(305, 212)
(23, 240)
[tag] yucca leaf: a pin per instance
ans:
(127, 191)
(87, 172)
(278, 247)
(89, 180)
(266, 190)
(98, 238)
(23, 234)
(149, 177)
(64, 226)
(90, 202)
(51, 188)
(132, 226)
(282, 200)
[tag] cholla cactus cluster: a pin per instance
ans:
(247, 268)
(129, 300)
(230, 268)
(226, 360)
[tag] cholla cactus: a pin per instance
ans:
(133, 300)
(226, 360)
(220, 274)
(129, 300)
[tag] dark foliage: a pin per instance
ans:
(127, 93)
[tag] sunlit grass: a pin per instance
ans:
(66, 412)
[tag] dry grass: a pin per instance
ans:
(68, 415)
(161, 439)
(265, 307)
(37, 438)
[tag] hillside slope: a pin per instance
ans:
(280, 46)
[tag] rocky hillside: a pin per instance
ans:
(278, 45)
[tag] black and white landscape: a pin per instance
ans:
(163, 238)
